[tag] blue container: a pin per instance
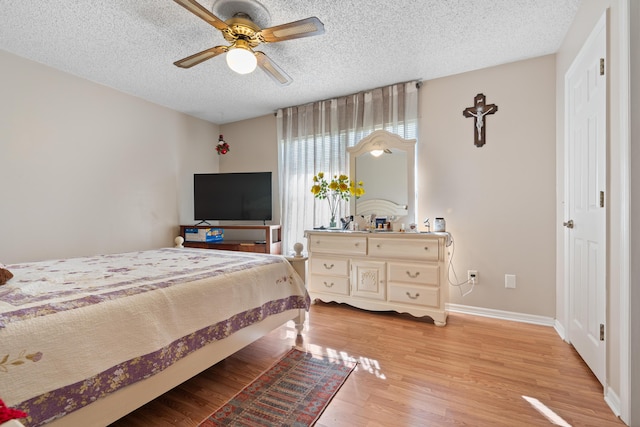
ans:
(203, 234)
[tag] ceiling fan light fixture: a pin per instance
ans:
(241, 60)
(377, 153)
(244, 35)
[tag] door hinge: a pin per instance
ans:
(602, 66)
(602, 199)
(601, 332)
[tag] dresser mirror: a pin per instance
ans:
(385, 163)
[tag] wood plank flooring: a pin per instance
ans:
(473, 372)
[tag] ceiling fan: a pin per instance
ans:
(244, 35)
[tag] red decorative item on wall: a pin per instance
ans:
(222, 147)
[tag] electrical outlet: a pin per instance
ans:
(472, 275)
(510, 281)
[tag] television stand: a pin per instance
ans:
(269, 240)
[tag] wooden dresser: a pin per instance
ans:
(381, 271)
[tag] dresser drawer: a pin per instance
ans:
(415, 295)
(330, 266)
(337, 244)
(419, 274)
(418, 249)
(329, 284)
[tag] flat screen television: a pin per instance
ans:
(238, 196)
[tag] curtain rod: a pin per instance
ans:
(418, 86)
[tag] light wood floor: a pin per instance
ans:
(473, 372)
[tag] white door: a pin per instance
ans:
(585, 234)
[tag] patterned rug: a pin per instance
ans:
(293, 392)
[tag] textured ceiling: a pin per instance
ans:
(130, 45)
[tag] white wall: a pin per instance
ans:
(499, 199)
(85, 169)
(94, 170)
(254, 148)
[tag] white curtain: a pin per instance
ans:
(313, 138)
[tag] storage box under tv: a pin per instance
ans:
(204, 234)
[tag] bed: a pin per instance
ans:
(84, 341)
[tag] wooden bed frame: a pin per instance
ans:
(116, 405)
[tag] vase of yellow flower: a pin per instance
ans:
(339, 188)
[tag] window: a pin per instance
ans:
(314, 138)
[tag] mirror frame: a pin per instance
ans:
(379, 140)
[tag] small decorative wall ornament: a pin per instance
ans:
(222, 147)
(478, 111)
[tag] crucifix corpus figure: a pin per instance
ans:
(478, 111)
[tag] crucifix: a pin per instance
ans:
(478, 111)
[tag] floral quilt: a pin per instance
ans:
(75, 330)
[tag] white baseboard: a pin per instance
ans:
(560, 330)
(504, 315)
(613, 400)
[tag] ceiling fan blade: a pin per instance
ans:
(197, 9)
(273, 70)
(293, 30)
(199, 57)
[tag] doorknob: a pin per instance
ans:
(568, 224)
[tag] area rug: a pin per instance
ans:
(293, 392)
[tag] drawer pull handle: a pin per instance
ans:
(413, 276)
(330, 285)
(413, 297)
(328, 267)
(357, 244)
